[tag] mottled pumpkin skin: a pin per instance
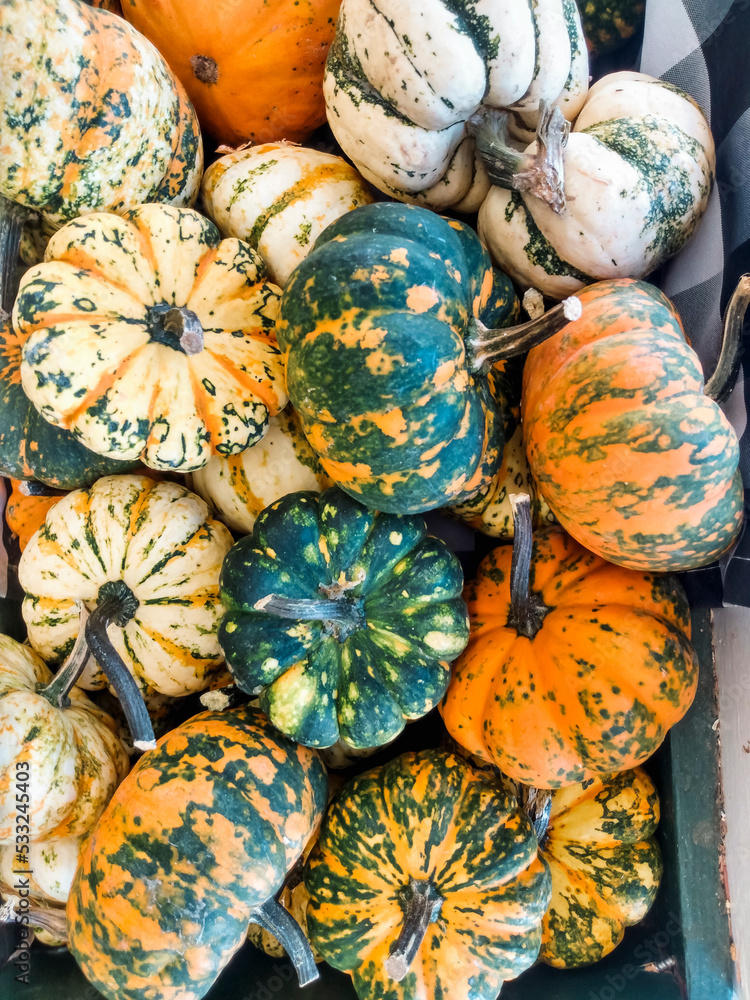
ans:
(595, 691)
(156, 538)
(93, 117)
(51, 865)
(632, 458)
(253, 69)
(203, 830)
(25, 514)
(98, 361)
(608, 24)
(358, 682)
(32, 448)
(372, 323)
(427, 815)
(605, 864)
(74, 756)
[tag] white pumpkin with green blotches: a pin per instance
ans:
(51, 865)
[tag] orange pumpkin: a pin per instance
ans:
(27, 508)
(253, 69)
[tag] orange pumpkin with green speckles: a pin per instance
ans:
(26, 509)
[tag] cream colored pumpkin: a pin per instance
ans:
(152, 541)
(51, 865)
(241, 486)
(279, 198)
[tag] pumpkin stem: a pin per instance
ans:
(485, 347)
(220, 699)
(727, 368)
(527, 609)
(342, 616)
(421, 903)
(117, 605)
(12, 218)
(175, 326)
(540, 172)
(56, 692)
(272, 916)
(537, 804)
(31, 488)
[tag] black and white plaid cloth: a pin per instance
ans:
(703, 47)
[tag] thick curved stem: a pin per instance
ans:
(527, 609)
(116, 607)
(485, 347)
(727, 368)
(12, 218)
(305, 610)
(539, 173)
(56, 692)
(422, 904)
(274, 918)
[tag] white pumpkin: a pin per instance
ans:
(279, 198)
(402, 79)
(240, 486)
(51, 865)
(638, 169)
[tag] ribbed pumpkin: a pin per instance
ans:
(194, 845)
(240, 486)
(52, 732)
(389, 360)
(608, 24)
(574, 668)
(403, 79)
(51, 865)
(626, 444)
(26, 509)
(343, 619)
(148, 554)
(253, 69)
(425, 882)
(635, 175)
(279, 198)
(148, 335)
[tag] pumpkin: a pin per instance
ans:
(252, 69)
(147, 556)
(402, 80)
(627, 447)
(147, 335)
(48, 864)
(240, 486)
(598, 840)
(62, 759)
(574, 668)
(93, 117)
(342, 618)
(636, 174)
(608, 24)
(31, 448)
(279, 198)
(425, 882)
(389, 362)
(192, 847)
(27, 508)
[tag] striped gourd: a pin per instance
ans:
(402, 80)
(279, 198)
(637, 172)
(240, 486)
(152, 549)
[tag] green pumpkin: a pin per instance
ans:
(389, 359)
(608, 24)
(343, 619)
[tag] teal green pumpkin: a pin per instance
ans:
(343, 619)
(608, 24)
(389, 359)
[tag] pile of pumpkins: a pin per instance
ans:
(223, 423)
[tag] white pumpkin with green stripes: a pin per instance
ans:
(636, 172)
(402, 79)
(240, 486)
(279, 198)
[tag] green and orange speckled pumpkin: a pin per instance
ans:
(389, 361)
(148, 335)
(627, 447)
(425, 882)
(27, 508)
(574, 668)
(193, 846)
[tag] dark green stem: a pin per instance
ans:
(12, 218)
(342, 616)
(176, 327)
(527, 609)
(274, 918)
(422, 904)
(56, 692)
(117, 605)
(485, 347)
(31, 488)
(727, 368)
(539, 173)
